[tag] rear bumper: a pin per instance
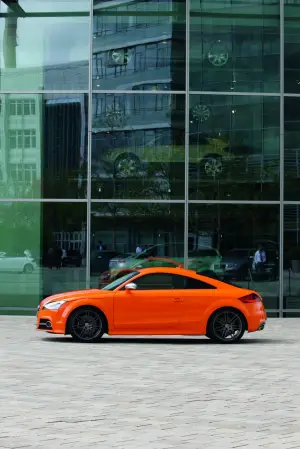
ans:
(261, 326)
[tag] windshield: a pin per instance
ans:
(115, 284)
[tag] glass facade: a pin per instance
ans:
(164, 126)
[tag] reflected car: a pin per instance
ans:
(106, 277)
(155, 301)
(238, 264)
(204, 258)
(100, 260)
(209, 154)
(72, 259)
(17, 263)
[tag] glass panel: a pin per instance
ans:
(291, 262)
(43, 146)
(291, 46)
(32, 263)
(234, 147)
(20, 243)
(44, 45)
(291, 148)
(63, 247)
(139, 45)
(234, 45)
(138, 146)
(128, 236)
(236, 233)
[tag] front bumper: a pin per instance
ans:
(50, 321)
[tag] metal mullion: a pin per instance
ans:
(234, 202)
(137, 201)
(139, 92)
(187, 128)
(42, 200)
(237, 94)
(89, 153)
(44, 92)
(281, 163)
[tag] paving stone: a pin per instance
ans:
(152, 393)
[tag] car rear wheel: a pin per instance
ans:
(213, 166)
(28, 269)
(226, 326)
(127, 165)
(86, 325)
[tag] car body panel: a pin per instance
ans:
(157, 312)
(15, 263)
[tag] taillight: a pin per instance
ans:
(250, 298)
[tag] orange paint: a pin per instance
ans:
(156, 312)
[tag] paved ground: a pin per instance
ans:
(149, 393)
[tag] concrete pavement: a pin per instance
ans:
(153, 393)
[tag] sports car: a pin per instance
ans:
(155, 301)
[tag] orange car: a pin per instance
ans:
(155, 301)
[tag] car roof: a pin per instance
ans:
(185, 272)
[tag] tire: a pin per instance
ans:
(213, 166)
(127, 165)
(91, 320)
(28, 269)
(218, 331)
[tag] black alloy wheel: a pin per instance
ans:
(86, 325)
(226, 326)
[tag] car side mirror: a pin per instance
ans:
(130, 286)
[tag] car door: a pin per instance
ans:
(196, 296)
(10, 263)
(152, 307)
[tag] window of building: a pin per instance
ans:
(22, 172)
(22, 107)
(24, 138)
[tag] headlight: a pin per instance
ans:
(53, 305)
(231, 266)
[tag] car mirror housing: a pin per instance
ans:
(130, 286)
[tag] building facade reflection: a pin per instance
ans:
(164, 126)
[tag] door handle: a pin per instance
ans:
(178, 300)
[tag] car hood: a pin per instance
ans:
(78, 294)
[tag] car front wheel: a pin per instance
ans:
(28, 269)
(226, 326)
(213, 166)
(86, 325)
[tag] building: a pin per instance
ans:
(155, 123)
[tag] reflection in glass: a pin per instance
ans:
(291, 149)
(63, 247)
(20, 274)
(291, 260)
(236, 233)
(127, 236)
(234, 148)
(234, 46)
(44, 45)
(139, 45)
(291, 47)
(43, 146)
(138, 146)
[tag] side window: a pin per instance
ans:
(159, 281)
(187, 283)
